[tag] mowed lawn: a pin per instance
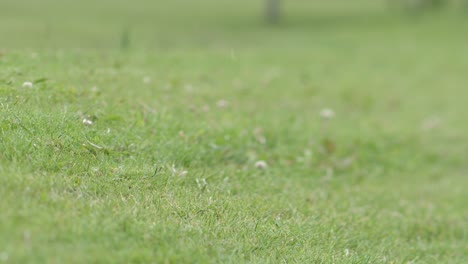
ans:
(139, 136)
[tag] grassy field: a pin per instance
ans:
(139, 138)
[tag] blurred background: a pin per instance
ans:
(122, 24)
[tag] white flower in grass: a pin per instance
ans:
(27, 85)
(4, 256)
(261, 165)
(188, 88)
(202, 184)
(327, 113)
(222, 103)
(173, 169)
(146, 80)
(87, 122)
(431, 123)
(205, 108)
(177, 172)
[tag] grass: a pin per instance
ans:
(181, 113)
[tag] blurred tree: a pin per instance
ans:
(273, 11)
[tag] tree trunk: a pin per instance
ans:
(273, 12)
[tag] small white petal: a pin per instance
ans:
(146, 79)
(87, 122)
(4, 256)
(261, 164)
(327, 113)
(188, 88)
(222, 103)
(27, 85)
(205, 108)
(431, 123)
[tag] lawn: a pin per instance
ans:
(152, 132)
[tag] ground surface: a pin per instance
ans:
(183, 106)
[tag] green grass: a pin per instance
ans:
(384, 181)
